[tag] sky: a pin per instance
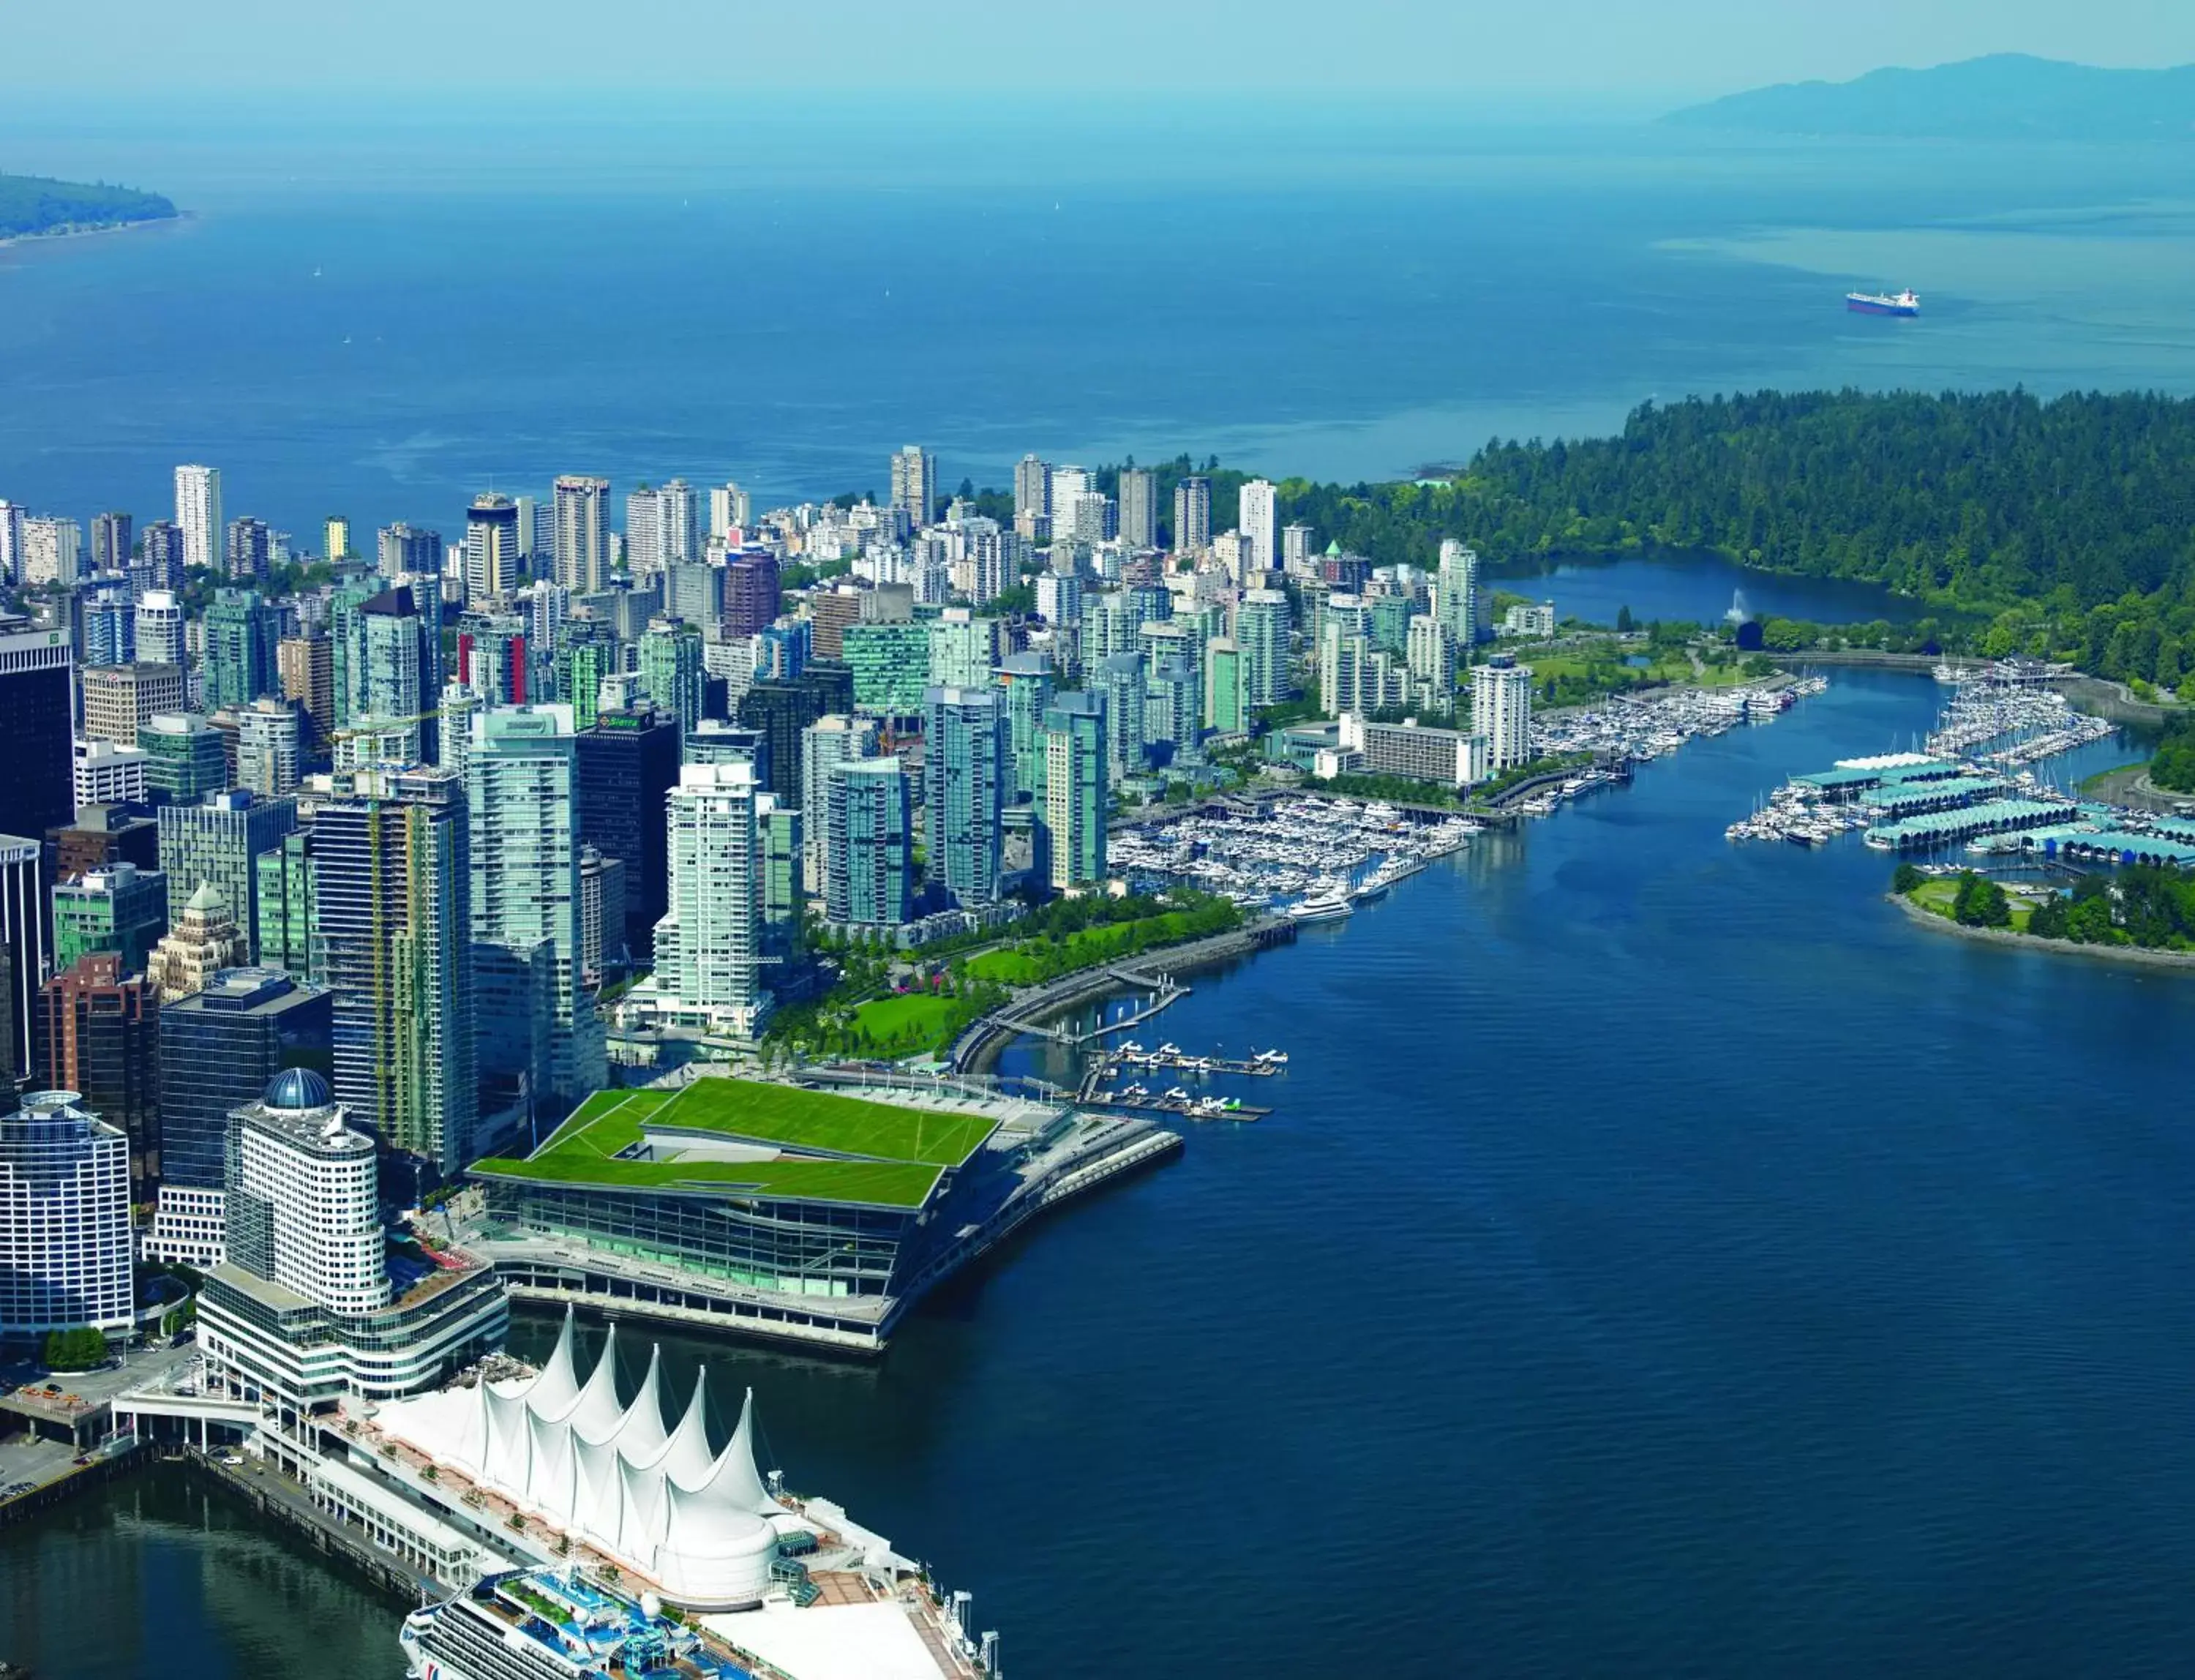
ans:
(1496, 51)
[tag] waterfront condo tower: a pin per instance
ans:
(965, 772)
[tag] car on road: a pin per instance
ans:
(231, 1458)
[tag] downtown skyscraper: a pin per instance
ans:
(198, 515)
(914, 484)
(965, 775)
(536, 1018)
(709, 945)
(392, 886)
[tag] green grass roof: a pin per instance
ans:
(895, 1155)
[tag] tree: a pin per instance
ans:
(1625, 624)
(1907, 877)
(78, 1350)
(1979, 902)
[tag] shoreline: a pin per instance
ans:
(70, 231)
(980, 1054)
(2004, 937)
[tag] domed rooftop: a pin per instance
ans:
(297, 1088)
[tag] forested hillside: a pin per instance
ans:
(2063, 528)
(32, 204)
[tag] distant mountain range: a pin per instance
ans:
(2005, 96)
(31, 205)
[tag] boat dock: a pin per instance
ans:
(1133, 1058)
(1191, 1107)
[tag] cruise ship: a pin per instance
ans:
(1883, 303)
(555, 1624)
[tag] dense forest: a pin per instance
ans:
(2061, 528)
(31, 203)
(2142, 906)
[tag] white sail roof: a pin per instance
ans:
(656, 1500)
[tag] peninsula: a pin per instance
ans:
(32, 205)
(2001, 96)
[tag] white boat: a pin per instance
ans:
(1326, 905)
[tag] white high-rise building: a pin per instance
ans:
(709, 945)
(1430, 651)
(678, 523)
(644, 533)
(53, 551)
(160, 628)
(914, 484)
(730, 509)
(1064, 487)
(198, 515)
(305, 1182)
(1259, 523)
(1457, 590)
(581, 537)
(267, 747)
(1501, 710)
(1295, 549)
(106, 774)
(301, 1308)
(65, 1248)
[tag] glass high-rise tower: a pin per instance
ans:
(536, 1017)
(964, 774)
(393, 892)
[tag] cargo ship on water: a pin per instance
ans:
(1883, 303)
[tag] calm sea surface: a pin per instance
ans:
(1665, 1260)
(383, 311)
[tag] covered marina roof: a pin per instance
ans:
(1896, 798)
(1937, 827)
(2115, 846)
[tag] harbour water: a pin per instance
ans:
(1663, 1258)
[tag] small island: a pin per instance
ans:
(34, 206)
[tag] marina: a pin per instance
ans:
(1312, 857)
(1979, 783)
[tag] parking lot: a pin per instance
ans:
(28, 1463)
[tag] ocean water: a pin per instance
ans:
(1664, 1258)
(384, 310)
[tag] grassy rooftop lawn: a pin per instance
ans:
(892, 1184)
(610, 1121)
(912, 1019)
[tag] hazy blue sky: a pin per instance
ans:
(1506, 48)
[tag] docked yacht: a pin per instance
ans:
(1330, 903)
